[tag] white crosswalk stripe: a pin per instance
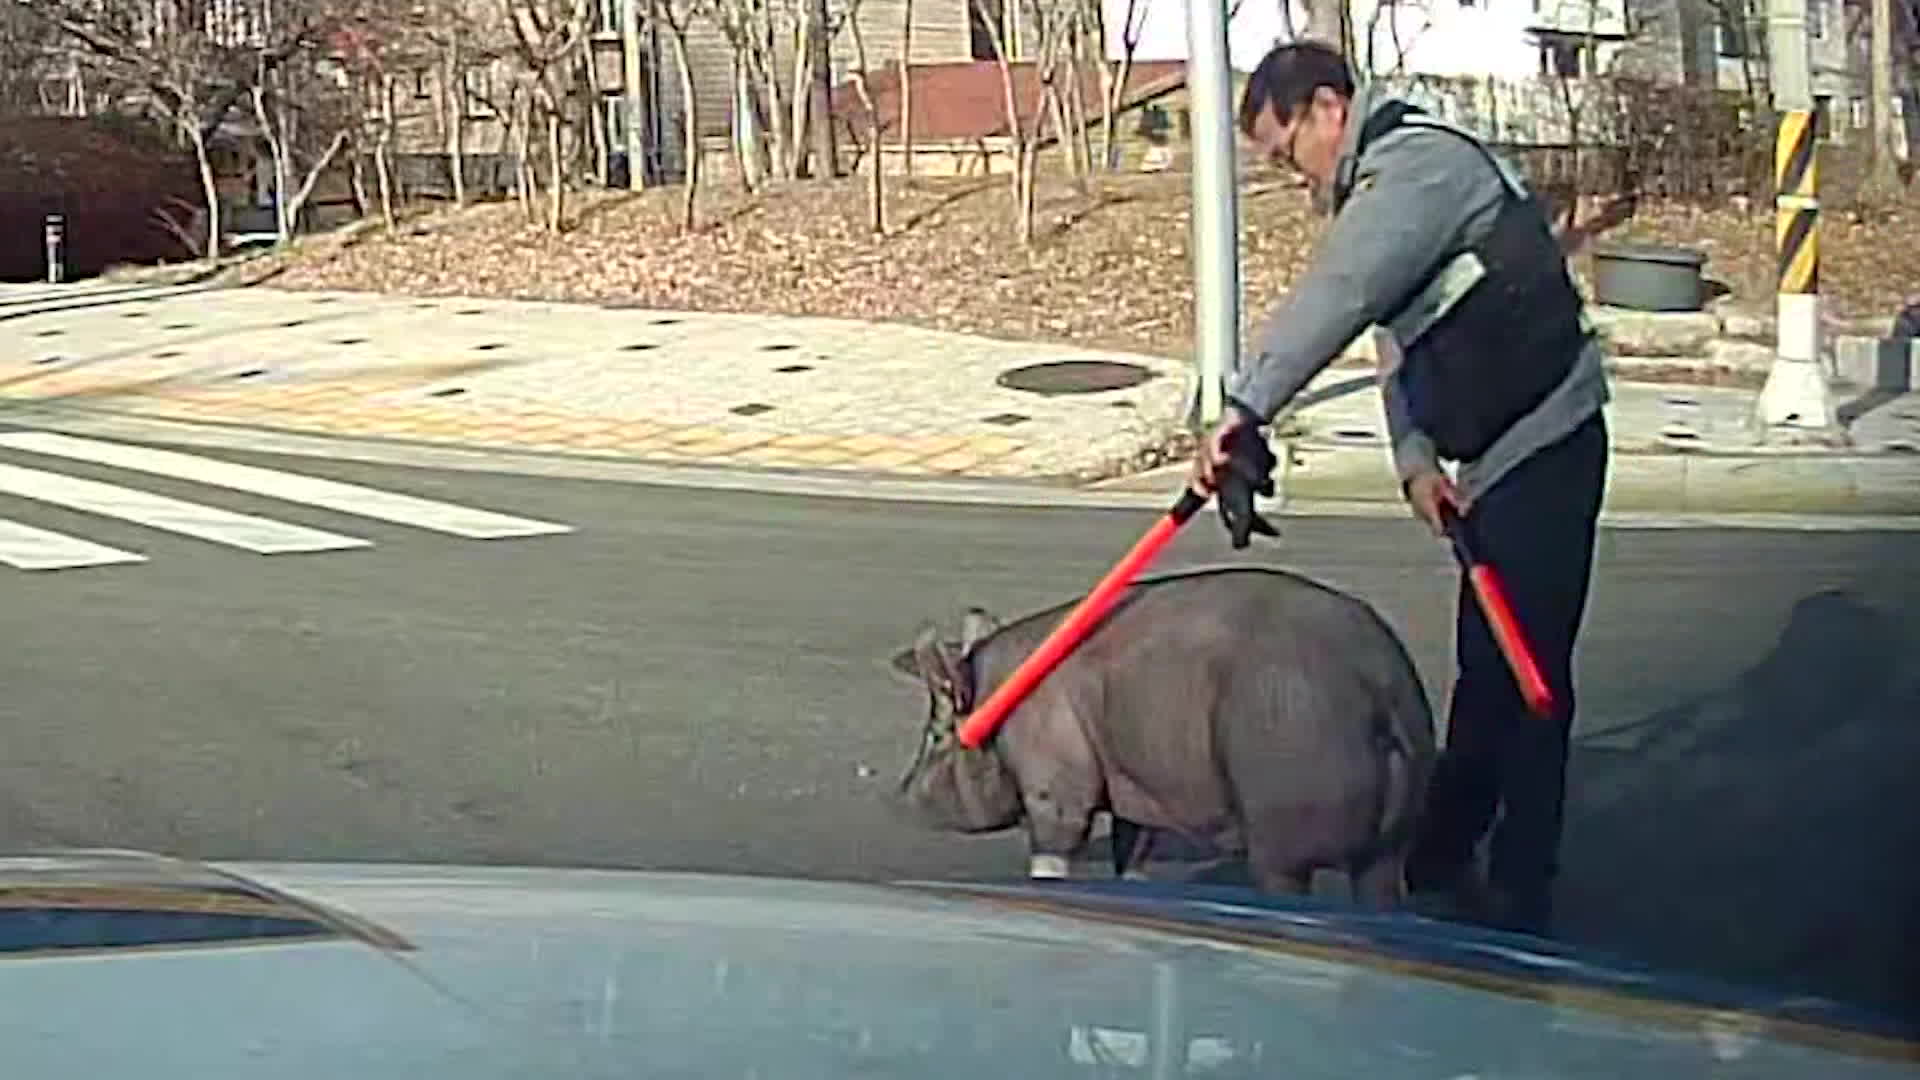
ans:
(264, 535)
(26, 547)
(291, 487)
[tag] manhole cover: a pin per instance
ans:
(1074, 377)
(751, 408)
(350, 341)
(1006, 419)
(665, 322)
(490, 346)
(49, 359)
(49, 333)
(294, 322)
(179, 326)
(250, 373)
(639, 347)
(448, 392)
(782, 347)
(792, 369)
(167, 354)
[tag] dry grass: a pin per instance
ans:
(1111, 269)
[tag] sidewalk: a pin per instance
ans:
(668, 386)
(1676, 448)
(819, 394)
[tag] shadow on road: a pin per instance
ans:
(1765, 832)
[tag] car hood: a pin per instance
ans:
(124, 964)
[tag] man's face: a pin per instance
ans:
(1309, 140)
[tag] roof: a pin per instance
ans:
(966, 100)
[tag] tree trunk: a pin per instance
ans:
(1066, 136)
(1027, 173)
(1116, 88)
(1077, 103)
(1016, 131)
(906, 91)
(691, 189)
(357, 178)
(557, 190)
(802, 95)
(1883, 180)
(276, 149)
(748, 145)
(298, 203)
(209, 187)
(876, 191)
(457, 122)
(826, 155)
(381, 165)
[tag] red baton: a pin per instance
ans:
(1492, 595)
(985, 720)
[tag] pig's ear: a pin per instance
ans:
(938, 664)
(977, 626)
(903, 664)
(912, 660)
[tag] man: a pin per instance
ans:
(1488, 361)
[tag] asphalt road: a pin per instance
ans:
(697, 681)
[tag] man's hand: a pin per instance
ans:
(1235, 461)
(1427, 491)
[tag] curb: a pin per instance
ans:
(1697, 483)
(1368, 492)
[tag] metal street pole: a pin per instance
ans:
(1216, 204)
(630, 77)
(1795, 403)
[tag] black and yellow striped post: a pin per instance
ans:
(1797, 203)
(1796, 405)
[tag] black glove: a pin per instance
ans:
(1249, 470)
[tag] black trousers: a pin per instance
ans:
(1536, 527)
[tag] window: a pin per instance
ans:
(1858, 110)
(606, 16)
(478, 84)
(981, 26)
(1560, 57)
(614, 109)
(1817, 19)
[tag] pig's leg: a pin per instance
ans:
(1131, 845)
(1278, 870)
(1058, 821)
(1382, 883)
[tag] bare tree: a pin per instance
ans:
(191, 65)
(906, 90)
(1049, 30)
(1883, 180)
(675, 16)
(1114, 75)
(547, 35)
(876, 191)
(27, 52)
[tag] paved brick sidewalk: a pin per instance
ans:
(666, 386)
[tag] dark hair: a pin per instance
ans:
(1287, 77)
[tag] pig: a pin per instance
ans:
(1248, 709)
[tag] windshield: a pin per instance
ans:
(494, 495)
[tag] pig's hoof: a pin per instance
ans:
(1047, 866)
